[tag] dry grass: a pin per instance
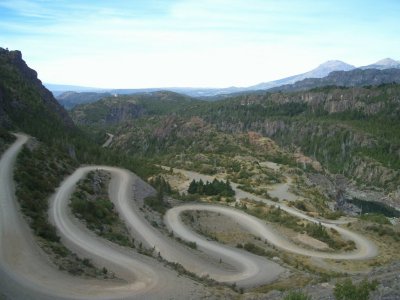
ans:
(284, 284)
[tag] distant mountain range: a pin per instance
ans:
(319, 72)
(353, 78)
(71, 99)
(384, 64)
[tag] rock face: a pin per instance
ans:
(337, 148)
(343, 204)
(23, 98)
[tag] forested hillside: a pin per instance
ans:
(121, 108)
(350, 131)
(353, 131)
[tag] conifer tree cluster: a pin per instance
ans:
(216, 187)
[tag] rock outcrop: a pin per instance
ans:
(23, 97)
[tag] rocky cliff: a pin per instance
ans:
(25, 104)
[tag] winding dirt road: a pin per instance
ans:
(25, 269)
(26, 273)
(245, 269)
(365, 248)
(22, 266)
(109, 140)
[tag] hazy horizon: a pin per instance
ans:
(191, 44)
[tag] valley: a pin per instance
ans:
(120, 261)
(159, 195)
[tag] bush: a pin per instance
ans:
(376, 218)
(334, 215)
(156, 203)
(346, 290)
(300, 205)
(384, 230)
(255, 249)
(320, 233)
(297, 296)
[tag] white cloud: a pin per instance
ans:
(188, 43)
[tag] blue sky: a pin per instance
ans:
(210, 43)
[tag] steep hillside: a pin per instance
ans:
(352, 131)
(25, 104)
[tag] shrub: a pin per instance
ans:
(156, 203)
(300, 205)
(346, 290)
(376, 218)
(297, 296)
(255, 249)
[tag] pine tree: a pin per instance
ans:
(192, 187)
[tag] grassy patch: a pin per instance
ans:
(375, 218)
(256, 249)
(385, 230)
(317, 231)
(295, 281)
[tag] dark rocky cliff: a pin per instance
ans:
(24, 101)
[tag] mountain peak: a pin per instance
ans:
(322, 70)
(387, 62)
(327, 67)
(336, 64)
